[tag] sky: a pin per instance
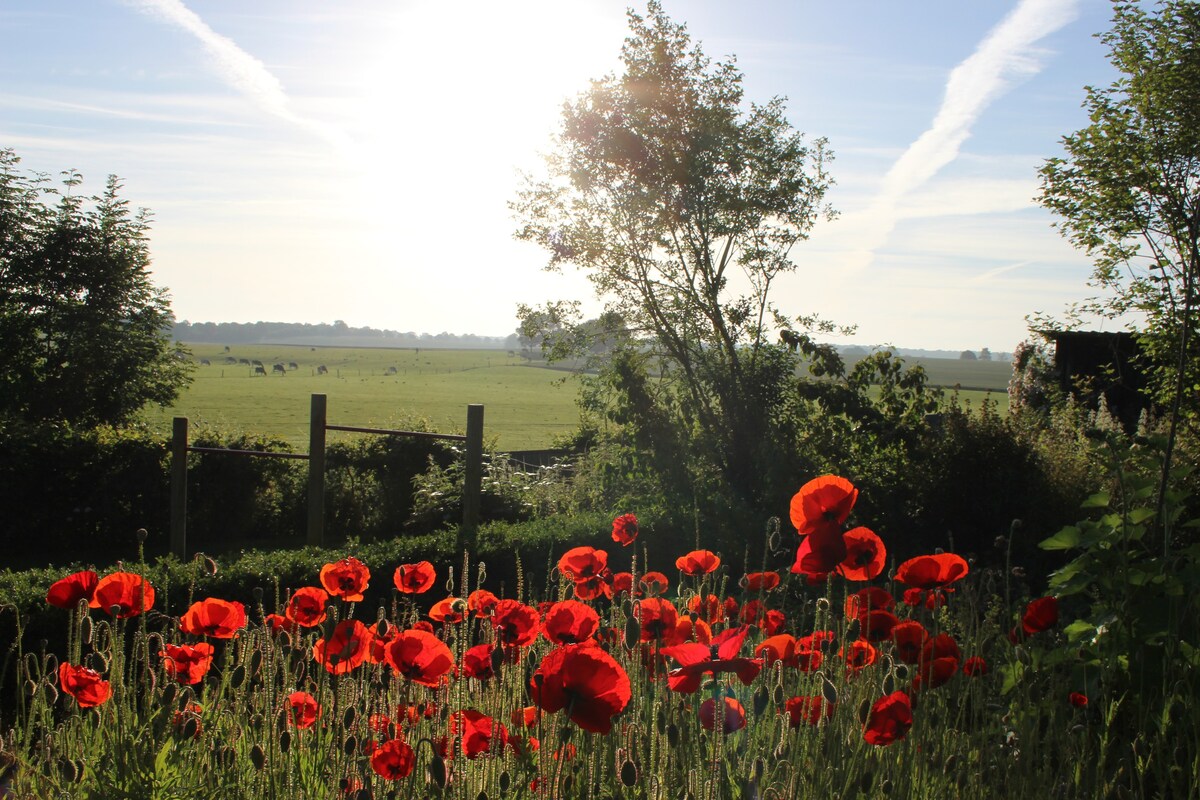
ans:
(313, 161)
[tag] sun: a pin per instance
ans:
(457, 98)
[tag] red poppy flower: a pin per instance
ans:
(84, 684)
(393, 760)
(220, 619)
(872, 598)
(382, 633)
(516, 624)
(346, 649)
(773, 622)
(858, 655)
(420, 657)
(761, 581)
(865, 555)
(585, 680)
(623, 582)
(415, 578)
(822, 503)
(305, 709)
(526, 717)
(931, 598)
(932, 572)
(807, 710)
(189, 713)
(780, 647)
(625, 529)
(478, 733)
(130, 593)
(910, 637)
(695, 660)
(975, 667)
(941, 646)
(582, 563)
(67, 592)
(570, 622)
(657, 617)
(876, 626)
(1078, 700)
(698, 562)
(707, 607)
(306, 607)
(1040, 615)
(346, 579)
(689, 630)
(890, 719)
(654, 583)
(734, 718)
(819, 554)
(934, 673)
(477, 662)
(449, 610)
(187, 663)
(279, 623)
(481, 603)
(423, 625)
(591, 588)
(749, 613)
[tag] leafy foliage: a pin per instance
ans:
(83, 334)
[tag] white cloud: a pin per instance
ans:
(240, 69)
(1006, 55)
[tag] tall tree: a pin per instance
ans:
(682, 204)
(1127, 192)
(83, 331)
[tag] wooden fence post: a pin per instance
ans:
(179, 454)
(316, 471)
(473, 478)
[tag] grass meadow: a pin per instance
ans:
(527, 404)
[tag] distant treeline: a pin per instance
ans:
(337, 334)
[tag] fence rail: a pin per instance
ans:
(318, 425)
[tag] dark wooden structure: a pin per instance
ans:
(1098, 365)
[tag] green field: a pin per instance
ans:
(526, 405)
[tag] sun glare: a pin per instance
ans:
(456, 99)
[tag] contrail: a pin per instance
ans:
(1006, 55)
(238, 68)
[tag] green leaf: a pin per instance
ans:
(1080, 629)
(1139, 515)
(1065, 539)
(1098, 500)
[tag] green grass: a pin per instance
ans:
(525, 406)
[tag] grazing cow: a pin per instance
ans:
(256, 363)
(322, 370)
(245, 361)
(278, 368)
(293, 365)
(260, 370)
(230, 360)
(391, 370)
(204, 362)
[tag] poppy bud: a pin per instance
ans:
(759, 769)
(660, 721)
(68, 770)
(191, 728)
(886, 787)
(141, 534)
(228, 757)
(761, 699)
(629, 773)
(285, 741)
(85, 630)
(673, 735)
(350, 746)
(437, 772)
(633, 632)
(257, 594)
(255, 662)
(829, 691)
(258, 757)
(238, 677)
(348, 717)
(864, 711)
(505, 782)
(482, 795)
(864, 783)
